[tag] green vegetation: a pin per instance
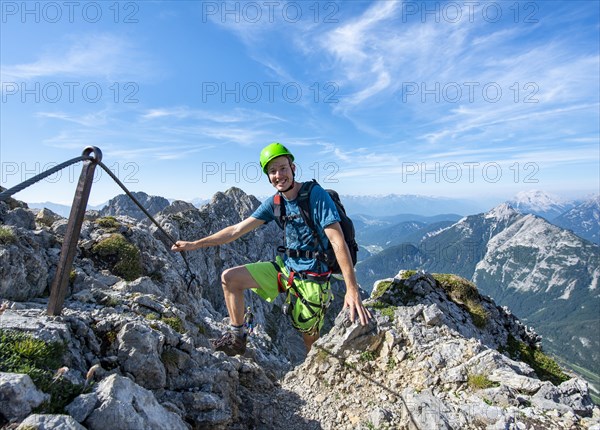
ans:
(72, 276)
(384, 309)
(111, 336)
(545, 367)
(478, 381)
(478, 314)
(109, 223)
(381, 288)
(408, 273)
(116, 250)
(175, 323)
(322, 355)
(109, 301)
(391, 364)
(393, 292)
(464, 292)
(7, 237)
(367, 356)
(22, 353)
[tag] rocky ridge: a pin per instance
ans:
(546, 275)
(123, 205)
(136, 342)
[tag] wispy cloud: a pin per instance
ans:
(378, 58)
(97, 56)
(164, 133)
(94, 119)
(237, 115)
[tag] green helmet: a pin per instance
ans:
(271, 151)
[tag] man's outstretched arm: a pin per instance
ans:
(352, 299)
(226, 235)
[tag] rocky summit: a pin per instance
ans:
(131, 348)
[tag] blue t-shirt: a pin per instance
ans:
(297, 233)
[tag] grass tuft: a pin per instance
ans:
(479, 381)
(122, 255)
(545, 367)
(7, 237)
(464, 292)
(109, 223)
(22, 353)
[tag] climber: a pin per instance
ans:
(249, 321)
(302, 276)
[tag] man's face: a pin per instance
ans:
(281, 172)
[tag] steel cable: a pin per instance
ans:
(5, 195)
(162, 230)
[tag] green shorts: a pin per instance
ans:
(308, 299)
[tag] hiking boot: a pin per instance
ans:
(230, 344)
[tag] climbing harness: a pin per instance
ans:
(308, 295)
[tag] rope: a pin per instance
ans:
(5, 195)
(193, 277)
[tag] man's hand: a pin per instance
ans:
(354, 303)
(182, 245)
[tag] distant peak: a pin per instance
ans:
(535, 200)
(502, 211)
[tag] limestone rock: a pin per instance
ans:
(46, 217)
(18, 396)
(50, 422)
(139, 349)
(124, 404)
(82, 406)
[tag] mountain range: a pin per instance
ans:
(545, 274)
(131, 347)
(542, 272)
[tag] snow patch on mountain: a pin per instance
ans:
(583, 220)
(567, 294)
(501, 212)
(526, 240)
(539, 203)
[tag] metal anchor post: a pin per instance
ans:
(58, 291)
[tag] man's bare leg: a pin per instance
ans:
(234, 282)
(309, 340)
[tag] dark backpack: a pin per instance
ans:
(325, 255)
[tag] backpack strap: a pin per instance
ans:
(303, 200)
(279, 210)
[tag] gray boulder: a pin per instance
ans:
(50, 422)
(18, 396)
(125, 405)
(24, 266)
(139, 354)
(46, 217)
(82, 406)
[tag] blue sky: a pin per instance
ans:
(475, 100)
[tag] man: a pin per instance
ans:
(300, 274)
